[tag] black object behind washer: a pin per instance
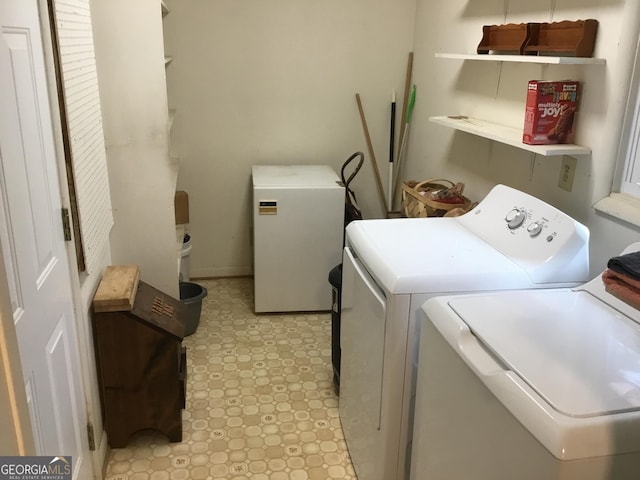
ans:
(351, 212)
(335, 279)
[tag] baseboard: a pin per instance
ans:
(216, 272)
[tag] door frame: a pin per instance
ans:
(79, 280)
(17, 437)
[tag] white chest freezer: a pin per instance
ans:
(298, 227)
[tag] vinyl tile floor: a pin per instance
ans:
(260, 400)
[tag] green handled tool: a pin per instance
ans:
(403, 141)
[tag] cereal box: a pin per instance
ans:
(549, 112)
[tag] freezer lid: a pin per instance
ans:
(294, 176)
(427, 255)
(576, 352)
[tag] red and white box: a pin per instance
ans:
(550, 111)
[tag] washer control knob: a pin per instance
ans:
(515, 218)
(534, 229)
(511, 215)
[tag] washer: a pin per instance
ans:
(529, 385)
(391, 267)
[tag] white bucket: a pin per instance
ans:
(185, 263)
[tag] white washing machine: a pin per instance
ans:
(391, 267)
(529, 385)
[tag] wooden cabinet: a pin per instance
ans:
(138, 332)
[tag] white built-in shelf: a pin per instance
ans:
(507, 135)
(165, 7)
(524, 59)
(167, 60)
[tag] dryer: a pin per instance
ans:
(391, 267)
(529, 385)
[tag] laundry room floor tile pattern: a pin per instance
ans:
(260, 401)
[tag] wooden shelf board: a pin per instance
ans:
(507, 135)
(524, 59)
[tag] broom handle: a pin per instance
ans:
(374, 162)
(403, 125)
(405, 101)
(403, 145)
(392, 137)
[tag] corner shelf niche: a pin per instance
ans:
(507, 135)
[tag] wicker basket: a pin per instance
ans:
(418, 201)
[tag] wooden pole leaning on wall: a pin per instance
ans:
(372, 155)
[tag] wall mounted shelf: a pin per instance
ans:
(524, 59)
(507, 135)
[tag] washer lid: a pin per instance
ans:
(576, 352)
(425, 255)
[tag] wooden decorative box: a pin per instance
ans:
(138, 332)
(576, 39)
(509, 38)
(567, 38)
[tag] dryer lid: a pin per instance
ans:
(576, 352)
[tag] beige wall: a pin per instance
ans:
(258, 83)
(273, 82)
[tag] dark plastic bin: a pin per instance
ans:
(335, 279)
(191, 294)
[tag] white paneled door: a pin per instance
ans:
(32, 242)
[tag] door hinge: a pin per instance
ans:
(91, 437)
(66, 225)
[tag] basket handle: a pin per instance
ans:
(433, 180)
